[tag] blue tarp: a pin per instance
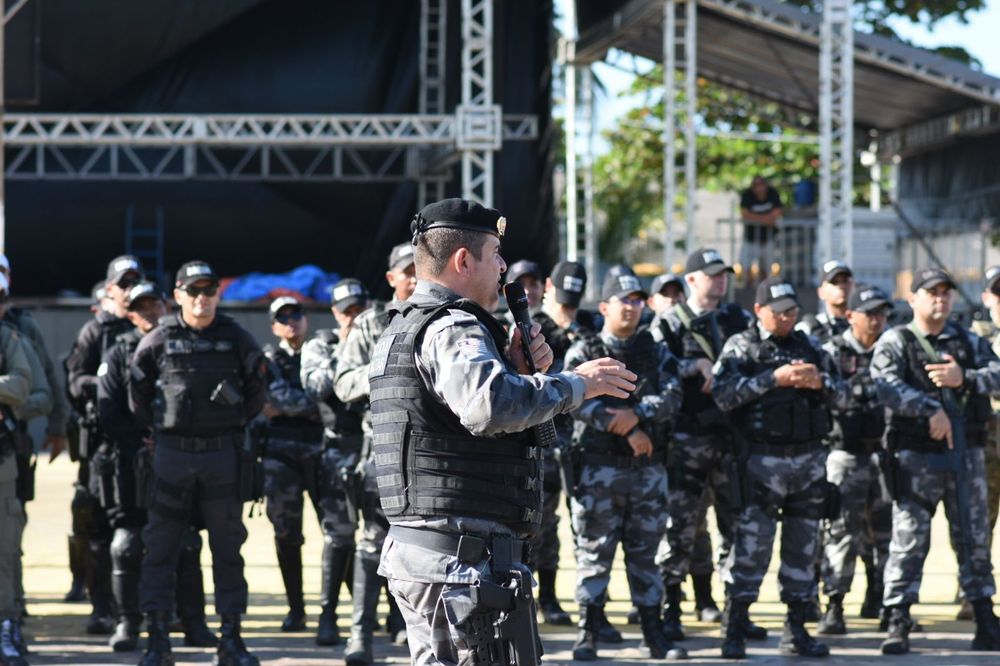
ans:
(309, 281)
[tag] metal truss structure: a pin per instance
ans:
(419, 147)
(932, 133)
(836, 136)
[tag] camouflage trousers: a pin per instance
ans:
(619, 505)
(292, 469)
(789, 488)
(545, 545)
(697, 478)
(992, 456)
(12, 519)
(864, 527)
(911, 527)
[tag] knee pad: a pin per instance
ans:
(126, 549)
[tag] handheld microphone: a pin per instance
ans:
(517, 303)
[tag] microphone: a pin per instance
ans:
(517, 303)
(544, 434)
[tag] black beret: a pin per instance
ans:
(458, 214)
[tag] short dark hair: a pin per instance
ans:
(435, 247)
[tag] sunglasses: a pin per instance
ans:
(195, 292)
(128, 282)
(288, 317)
(634, 302)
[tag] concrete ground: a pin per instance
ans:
(55, 628)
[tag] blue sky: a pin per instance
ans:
(980, 36)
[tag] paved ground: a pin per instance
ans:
(56, 628)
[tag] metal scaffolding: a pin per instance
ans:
(836, 136)
(419, 147)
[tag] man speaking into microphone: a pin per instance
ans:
(456, 413)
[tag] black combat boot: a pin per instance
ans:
(832, 622)
(101, 620)
(367, 584)
(672, 627)
(190, 597)
(871, 607)
(987, 638)
(734, 618)
(751, 631)
(78, 568)
(126, 635)
(548, 602)
(898, 640)
(335, 561)
(795, 640)
(606, 632)
(125, 585)
(585, 648)
(704, 606)
(654, 643)
(9, 653)
(290, 563)
(232, 651)
(157, 641)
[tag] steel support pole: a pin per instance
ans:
(669, 129)
(690, 134)
(478, 118)
(836, 102)
(572, 240)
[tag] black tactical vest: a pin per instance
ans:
(863, 422)
(977, 407)
(824, 328)
(195, 365)
(640, 355)
(729, 320)
(289, 365)
(341, 422)
(783, 416)
(428, 464)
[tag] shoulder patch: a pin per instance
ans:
(473, 348)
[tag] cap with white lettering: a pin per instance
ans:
(778, 294)
(193, 271)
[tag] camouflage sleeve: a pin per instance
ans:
(39, 401)
(659, 405)
(835, 389)
(985, 378)
(287, 398)
(319, 364)
(592, 412)
(351, 380)
(15, 382)
(732, 387)
(53, 374)
(888, 366)
(463, 367)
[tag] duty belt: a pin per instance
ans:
(622, 462)
(467, 548)
(308, 434)
(198, 444)
(784, 450)
(860, 447)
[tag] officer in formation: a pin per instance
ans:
(124, 492)
(779, 386)
(562, 323)
(666, 291)
(695, 331)
(864, 521)
(835, 283)
(342, 441)
(293, 452)
(620, 447)
(91, 529)
(935, 380)
(197, 380)
(447, 390)
(351, 386)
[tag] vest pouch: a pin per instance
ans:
(978, 412)
(872, 423)
(819, 421)
(851, 424)
(176, 406)
(773, 419)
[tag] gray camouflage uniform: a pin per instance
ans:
(864, 527)
(774, 479)
(990, 332)
(622, 503)
(924, 484)
(472, 380)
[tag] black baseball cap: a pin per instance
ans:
(778, 294)
(661, 281)
(619, 269)
(832, 268)
(458, 214)
(865, 298)
(992, 277)
(521, 268)
(283, 302)
(348, 292)
(193, 271)
(708, 260)
(928, 278)
(620, 286)
(401, 256)
(141, 291)
(569, 279)
(121, 266)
